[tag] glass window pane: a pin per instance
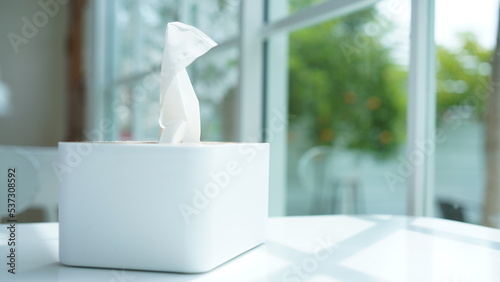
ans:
(215, 78)
(465, 40)
(347, 107)
(122, 114)
(122, 51)
(298, 5)
(137, 54)
(219, 19)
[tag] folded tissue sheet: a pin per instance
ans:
(180, 111)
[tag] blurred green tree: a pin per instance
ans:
(463, 79)
(344, 82)
(348, 90)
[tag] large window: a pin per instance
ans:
(464, 65)
(347, 105)
(364, 110)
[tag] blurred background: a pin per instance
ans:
(326, 82)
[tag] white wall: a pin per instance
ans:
(35, 74)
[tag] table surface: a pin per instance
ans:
(309, 248)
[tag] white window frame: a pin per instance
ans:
(421, 92)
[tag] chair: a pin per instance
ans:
(330, 192)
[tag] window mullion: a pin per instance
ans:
(276, 102)
(138, 55)
(96, 42)
(421, 110)
(250, 99)
(315, 14)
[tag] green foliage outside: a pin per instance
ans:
(350, 92)
(463, 77)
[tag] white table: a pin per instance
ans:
(314, 248)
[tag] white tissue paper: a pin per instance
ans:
(180, 110)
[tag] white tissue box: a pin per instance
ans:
(161, 207)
